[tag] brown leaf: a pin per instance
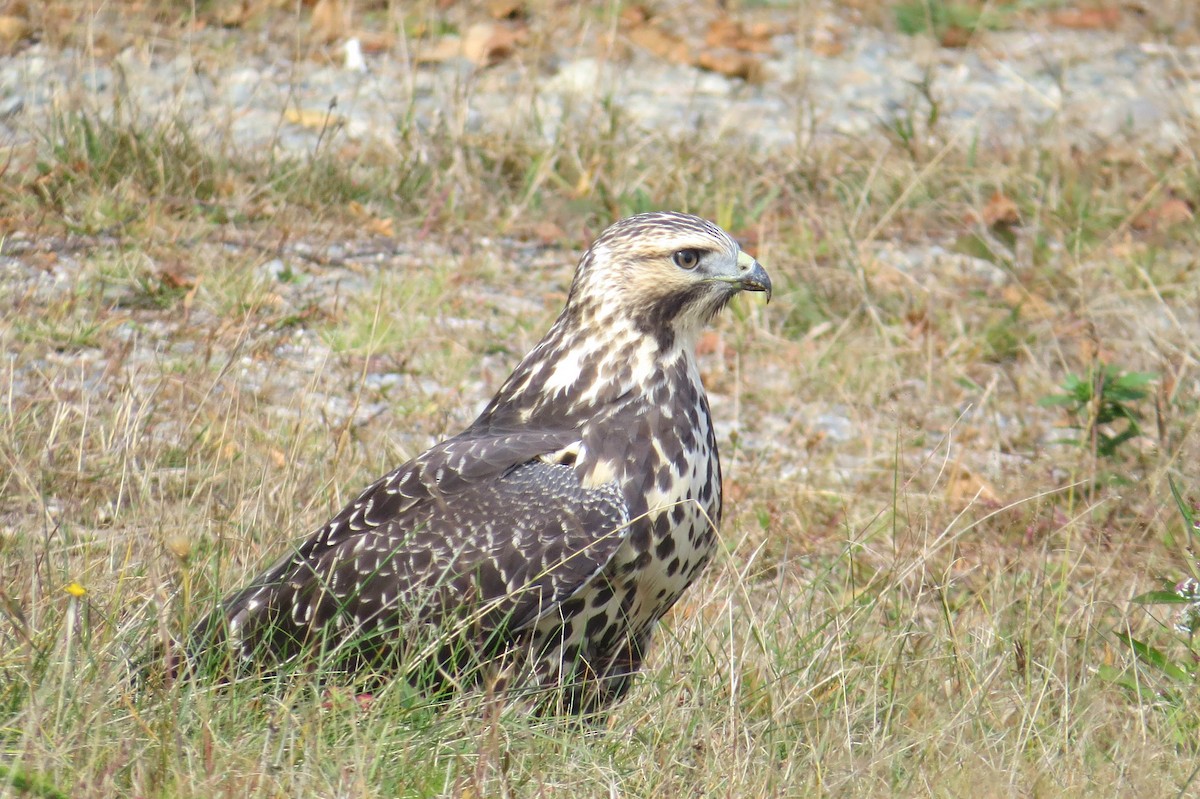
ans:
(1167, 214)
(722, 32)
(955, 36)
(732, 64)
(725, 31)
(173, 275)
(13, 30)
(329, 21)
(489, 43)
(485, 44)
(375, 42)
(662, 44)
(765, 30)
(1087, 18)
(1000, 210)
(379, 225)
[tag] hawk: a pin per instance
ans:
(538, 548)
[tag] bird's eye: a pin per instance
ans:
(687, 259)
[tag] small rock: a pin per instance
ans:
(11, 106)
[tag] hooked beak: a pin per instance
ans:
(751, 275)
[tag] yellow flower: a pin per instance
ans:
(76, 590)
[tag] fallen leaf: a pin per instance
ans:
(381, 226)
(13, 30)
(329, 21)
(173, 276)
(722, 32)
(373, 42)
(485, 44)
(489, 43)
(1167, 214)
(660, 43)
(727, 32)
(371, 222)
(955, 36)
(1000, 210)
(765, 30)
(1087, 18)
(732, 64)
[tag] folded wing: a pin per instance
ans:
(485, 531)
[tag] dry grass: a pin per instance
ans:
(919, 596)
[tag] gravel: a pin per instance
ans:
(1089, 87)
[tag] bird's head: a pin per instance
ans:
(641, 293)
(666, 273)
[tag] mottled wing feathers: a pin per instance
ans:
(481, 522)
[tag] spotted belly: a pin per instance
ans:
(594, 642)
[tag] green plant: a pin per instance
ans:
(1184, 597)
(936, 16)
(907, 125)
(1105, 397)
